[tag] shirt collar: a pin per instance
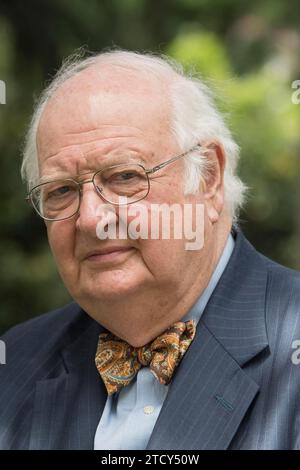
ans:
(197, 309)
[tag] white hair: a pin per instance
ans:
(194, 118)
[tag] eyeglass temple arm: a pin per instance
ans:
(162, 165)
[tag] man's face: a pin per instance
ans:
(92, 122)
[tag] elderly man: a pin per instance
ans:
(164, 347)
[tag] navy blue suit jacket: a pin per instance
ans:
(236, 387)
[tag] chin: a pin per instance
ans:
(107, 287)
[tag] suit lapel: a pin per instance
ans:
(68, 406)
(206, 413)
(210, 392)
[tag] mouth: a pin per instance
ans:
(109, 255)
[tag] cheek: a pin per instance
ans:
(159, 233)
(164, 258)
(61, 236)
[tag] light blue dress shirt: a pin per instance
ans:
(129, 416)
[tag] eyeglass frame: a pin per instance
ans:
(149, 171)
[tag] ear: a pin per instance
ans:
(213, 187)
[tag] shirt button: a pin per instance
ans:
(148, 410)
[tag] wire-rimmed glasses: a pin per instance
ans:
(60, 199)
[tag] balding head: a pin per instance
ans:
(100, 97)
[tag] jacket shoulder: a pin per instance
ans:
(282, 305)
(280, 274)
(50, 328)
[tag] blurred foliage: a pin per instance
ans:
(247, 52)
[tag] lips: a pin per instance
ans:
(107, 250)
(107, 254)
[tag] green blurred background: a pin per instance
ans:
(248, 52)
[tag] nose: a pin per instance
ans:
(91, 209)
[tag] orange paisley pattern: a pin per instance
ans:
(118, 362)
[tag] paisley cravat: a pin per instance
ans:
(118, 362)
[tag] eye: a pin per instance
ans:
(120, 177)
(59, 192)
(126, 175)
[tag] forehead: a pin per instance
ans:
(110, 100)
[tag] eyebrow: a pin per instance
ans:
(66, 176)
(63, 176)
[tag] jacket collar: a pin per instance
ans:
(68, 407)
(235, 314)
